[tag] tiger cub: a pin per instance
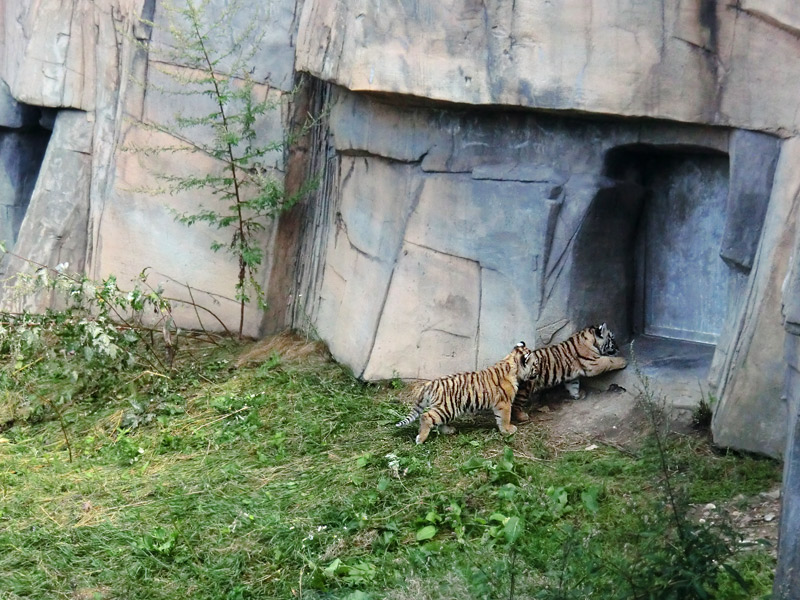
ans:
(587, 353)
(492, 388)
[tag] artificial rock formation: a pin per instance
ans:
(81, 65)
(787, 576)
(692, 62)
(451, 216)
(683, 61)
(22, 145)
(55, 228)
(731, 65)
(470, 229)
(485, 171)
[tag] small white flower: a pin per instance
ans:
(394, 464)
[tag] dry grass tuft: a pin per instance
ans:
(288, 345)
(451, 586)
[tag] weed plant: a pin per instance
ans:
(210, 59)
(285, 478)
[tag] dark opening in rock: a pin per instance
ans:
(22, 149)
(648, 249)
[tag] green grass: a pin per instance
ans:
(288, 479)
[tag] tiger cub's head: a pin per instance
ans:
(604, 340)
(525, 361)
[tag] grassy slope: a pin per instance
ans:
(288, 479)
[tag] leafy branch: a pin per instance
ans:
(210, 60)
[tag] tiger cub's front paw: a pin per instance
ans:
(510, 430)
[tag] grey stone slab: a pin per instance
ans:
(579, 193)
(51, 53)
(753, 158)
(507, 315)
(682, 136)
(55, 227)
(750, 414)
(8, 234)
(267, 27)
(365, 124)
(21, 153)
(787, 574)
(429, 325)
(524, 173)
(501, 225)
(376, 198)
(351, 303)
(524, 145)
(136, 228)
(601, 279)
(166, 100)
(782, 13)
(686, 283)
(791, 293)
(655, 59)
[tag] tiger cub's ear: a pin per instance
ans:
(520, 344)
(601, 329)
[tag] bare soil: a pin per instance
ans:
(611, 416)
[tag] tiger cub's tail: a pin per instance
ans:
(423, 399)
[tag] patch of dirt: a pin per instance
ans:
(756, 518)
(612, 417)
(96, 593)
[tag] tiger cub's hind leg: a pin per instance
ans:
(425, 425)
(519, 412)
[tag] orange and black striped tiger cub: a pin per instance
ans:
(587, 353)
(493, 388)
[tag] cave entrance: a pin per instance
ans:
(22, 147)
(682, 282)
(648, 250)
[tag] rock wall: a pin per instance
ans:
(471, 228)
(54, 230)
(22, 145)
(787, 576)
(709, 63)
(84, 62)
(750, 374)
(700, 61)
